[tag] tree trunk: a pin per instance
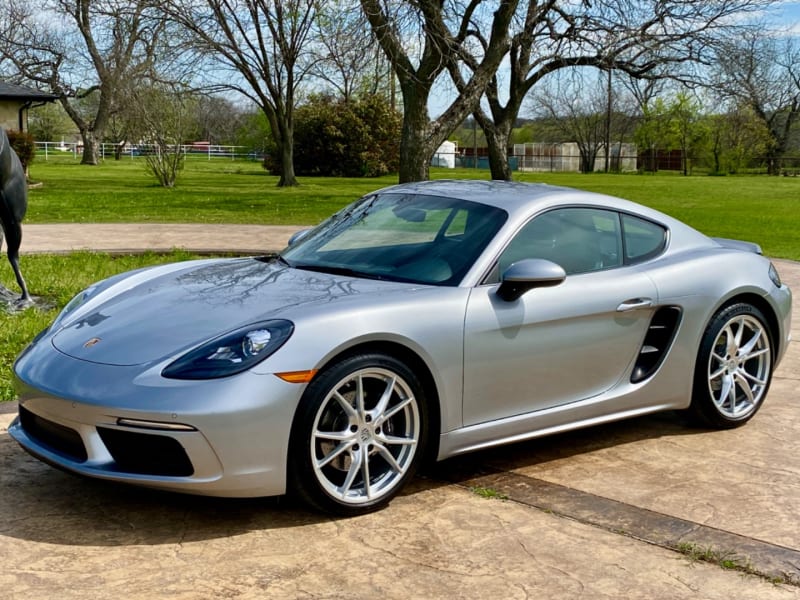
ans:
(91, 154)
(415, 142)
(497, 137)
(284, 145)
(414, 158)
(773, 162)
(288, 178)
(588, 158)
(772, 166)
(498, 156)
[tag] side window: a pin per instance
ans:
(579, 239)
(643, 239)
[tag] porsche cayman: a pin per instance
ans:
(421, 322)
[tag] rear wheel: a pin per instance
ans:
(358, 435)
(734, 367)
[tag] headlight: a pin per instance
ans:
(773, 275)
(232, 352)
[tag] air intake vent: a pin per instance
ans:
(656, 343)
(56, 437)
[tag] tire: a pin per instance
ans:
(358, 436)
(734, 367)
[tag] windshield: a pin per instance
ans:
(400, 237)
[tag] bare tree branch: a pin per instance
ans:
(259, 47)
(423, 39)
(641, 38)
(83, 50)
(763, 72)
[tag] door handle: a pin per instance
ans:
(635, 304)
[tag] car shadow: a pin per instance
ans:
(561, 446)
(41, 504)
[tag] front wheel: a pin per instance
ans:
(358, 435)
(734, 367)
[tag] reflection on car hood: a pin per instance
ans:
(173, 311)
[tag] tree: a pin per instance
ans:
(259, 47)
(735, 138)
(423, 39)
(656, 131)
(49, 122)
(635, 37)
(347, 57)
(254, 133)
(763, 71)
(621, 127)
(164, 114)
(83, 49)
(217, 119)
(581, 118)
(690, 128)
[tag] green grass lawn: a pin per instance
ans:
(762, 209)
(215, 191)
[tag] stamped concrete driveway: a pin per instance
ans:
(590, 514)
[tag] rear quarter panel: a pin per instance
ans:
(700, 282)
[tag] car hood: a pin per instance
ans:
(167, 311)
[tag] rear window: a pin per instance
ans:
(643, 239)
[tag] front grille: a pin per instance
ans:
(55, 437)
(146, 454)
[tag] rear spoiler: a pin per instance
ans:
(738, 245)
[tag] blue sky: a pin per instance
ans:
(788, 14)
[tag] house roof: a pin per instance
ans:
(9, 91)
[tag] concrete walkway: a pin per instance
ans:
(156, 237)
(589, 514)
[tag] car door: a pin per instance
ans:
(562, 344)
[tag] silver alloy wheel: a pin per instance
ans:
(739, 366)
(365, 436)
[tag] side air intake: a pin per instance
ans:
(656, 343)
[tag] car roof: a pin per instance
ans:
(521, 200)
(513, 196)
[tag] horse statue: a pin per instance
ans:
(13, 205)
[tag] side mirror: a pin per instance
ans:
(297, 236)
(528, 274)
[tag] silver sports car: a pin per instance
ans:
(423, 321)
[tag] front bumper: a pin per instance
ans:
(221, 437)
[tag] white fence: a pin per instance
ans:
(47, 149)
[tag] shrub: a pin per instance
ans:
(24, 145)
(333, 138)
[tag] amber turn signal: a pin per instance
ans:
(297, 376)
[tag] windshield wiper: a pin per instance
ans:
(334, 270)
(268, 258)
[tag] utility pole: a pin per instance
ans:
(475, 140)
(608, 121)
